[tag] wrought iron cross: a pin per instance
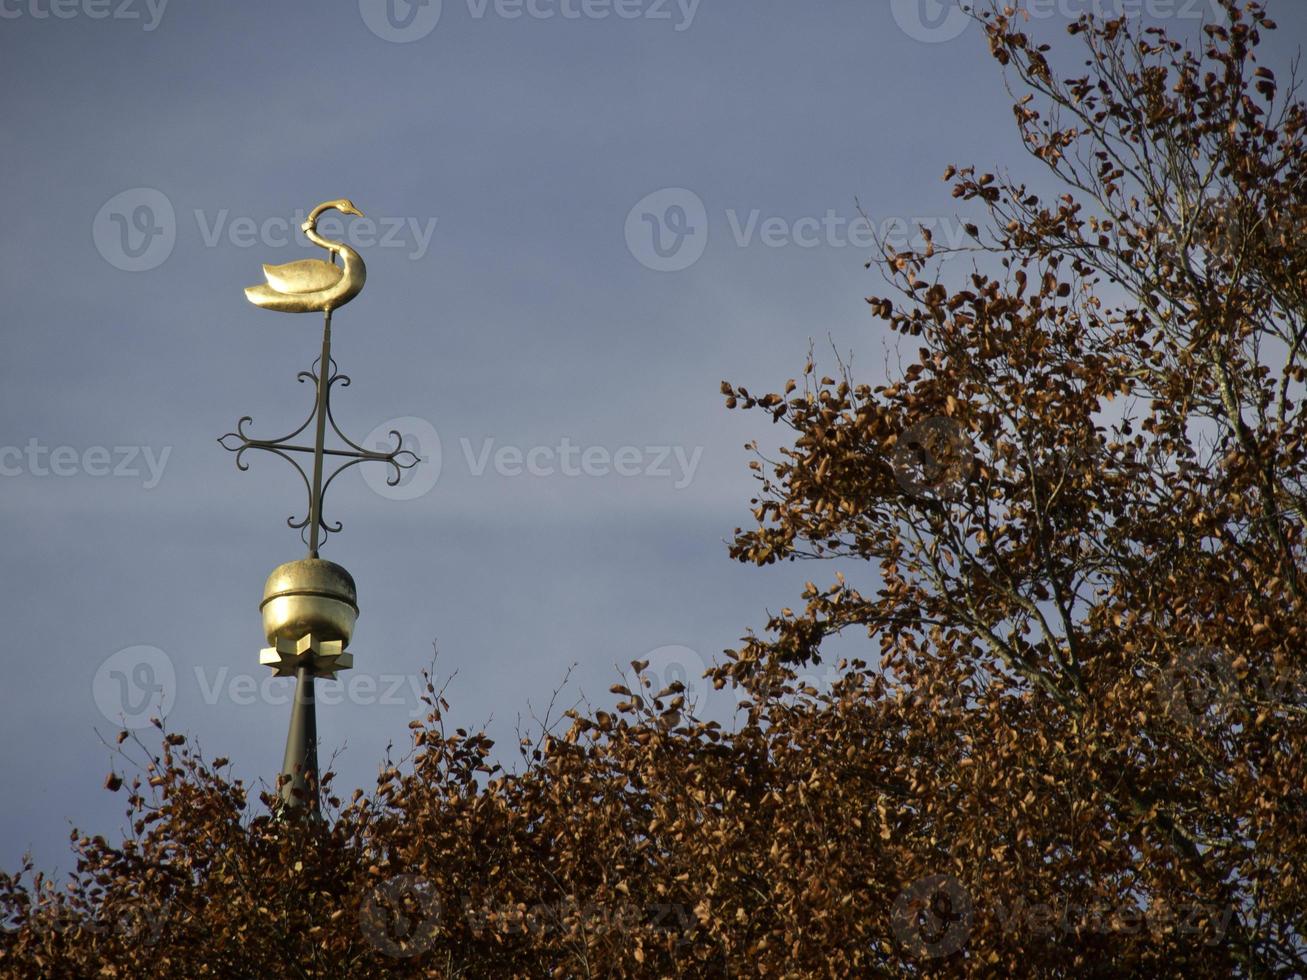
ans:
(313, 527)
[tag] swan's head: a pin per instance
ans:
(344, 205)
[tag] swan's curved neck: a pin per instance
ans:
(311, 232)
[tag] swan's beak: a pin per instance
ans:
(354, 211)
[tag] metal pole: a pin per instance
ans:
(324, 381)
(300, 762)
(301, 758)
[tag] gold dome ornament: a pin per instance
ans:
(309, 609)
(314, 285)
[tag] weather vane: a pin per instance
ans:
(310, 605)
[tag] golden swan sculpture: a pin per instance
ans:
(313, 285)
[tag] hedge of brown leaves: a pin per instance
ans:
(1076, 746)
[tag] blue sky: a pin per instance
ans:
(517, 161)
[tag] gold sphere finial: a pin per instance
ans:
(309, 610)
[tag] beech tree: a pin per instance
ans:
(1085, 501)
(1072, 532)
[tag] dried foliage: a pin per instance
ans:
(1079, 747)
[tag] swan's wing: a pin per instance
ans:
(304, 276)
